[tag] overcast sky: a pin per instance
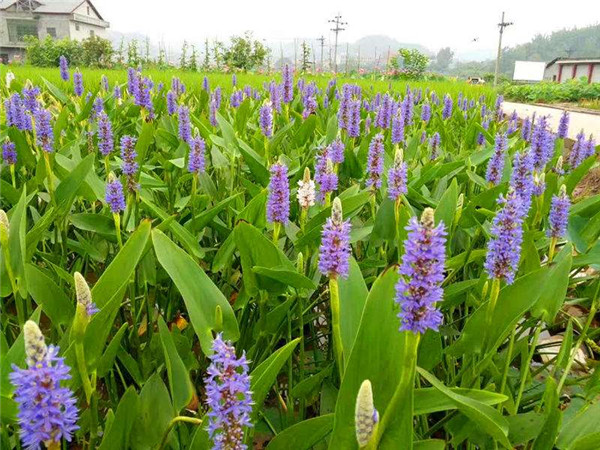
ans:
(433, 23)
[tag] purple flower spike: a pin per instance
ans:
(328, 181)
(130, 166)
(425, 112)
(375, 162)
(114, 195)
(278, 203)
(64, 68)
(398, 128)
(447, 110)
(43, 130)
(559, 214)
(266, 119)
(185, 128)
(196, 163)
(495, 166)
(336, 151)
(171, 102)
(421, 274)
(78, 83)
(435, 142)
(521, 180)
(397, 177)
(563, 125)
(105, 135)
(504, 248)
(9, 154)
(335, 250)
(47, 411)
(228, 396)
(288, 84)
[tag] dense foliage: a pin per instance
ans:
(549, 92)
(93, 51)
(292, 265)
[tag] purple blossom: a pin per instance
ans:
(275, 95)
(480, 138)
(64, 68)
(278, 203)
(9, 154)
(212, 113)
(205, 84)
(504, 248)
(563, 125)
(335, 250)
(114, 195)
(375, 162)
(397, 177)
(542, 144)
(228, 396)
(47, 411)
(117, 92)
(426, 112)
(43, 130)
(16, 113)
(559, 215)
(266, 119)
(30, 101)
(142, 96)
(353, 124)
(196, 161)
(177, 86)
(435, 142)
(526, 129)
(577, 154)
(287, 84)
(447, 110)
(78, 83)
(185, 127)
(133, 81)
(421, 274)
(328, 181)
(521, 180)
(97, 108)
(407, 108)
(104, 83)
(236, 98)
(335, 151)
(495, 166)
(171, 103)
(398, 128)
(384, 112)
(105, 135)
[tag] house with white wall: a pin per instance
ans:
(74, 19)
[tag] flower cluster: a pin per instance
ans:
(64, 68)
(397, 177)
(196, 161)
(278, 204)
(266, 119)
(43, 130)
(9, 154)
(559, 214)
(78, 83)
(375, 162)
(306, 190)
(105, 135)
(47, 411)
(114, 195)
(185, 127)
(335, 250)
(421, 274)
(228, 396)
(495, 166)
(130, 165)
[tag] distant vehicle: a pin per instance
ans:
(475, 80)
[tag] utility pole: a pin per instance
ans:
(322, 43)
(502, 26)
(337, 21)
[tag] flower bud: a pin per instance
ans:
(35, 346)
(366, 416)
(4, 228)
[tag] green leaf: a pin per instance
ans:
(56, 304)
(56, 92)
(154, 414)
(429, 444)
(446, 208)
(264, 375)
(16, 244)
(430, 400)
(303, 435)
(289, 277)
(180, 385)
(108, 357)
(553, 295)
(200, 295)
(584, 423)
(353, 296)
(377, 338)
(69, 186)
(117, 436)
(484, 416)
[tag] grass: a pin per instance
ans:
(193, 80)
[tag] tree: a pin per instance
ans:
(147, 55)
(245, 53)
(183, 58)
(443, 59)
(121, 53)
(133, 57)
(96, 52)
(218, 50)
(206, 63)
(305, 57)
(412, 63)
(193, 61)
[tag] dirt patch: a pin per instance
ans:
(589, 184)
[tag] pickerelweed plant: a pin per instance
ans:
(292, 261)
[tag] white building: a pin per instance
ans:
(563, 69)
(74, 19)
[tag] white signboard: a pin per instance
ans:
(529, 71)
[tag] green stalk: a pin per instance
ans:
(174, 422)
(82, 367)
(582, 336)
(404, 394)
(12, 175)
(525, 371)
(50, 178)
(276, 229)
(334, 296)
(193, 196)
(511, 345)
(489, 315)
(552, 249)
(117, 219)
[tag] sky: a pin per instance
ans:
(432, 23)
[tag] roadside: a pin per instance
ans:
(588, 122)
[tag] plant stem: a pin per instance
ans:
(551, 249)
(511, 345)
(82, 367)
(276, 229)
(334, 296)
(494, 292)
(525, 370)
(174, 422)
(117, 219)
(50, 178)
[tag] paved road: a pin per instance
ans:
(590, 123)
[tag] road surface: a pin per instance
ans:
(590, 123)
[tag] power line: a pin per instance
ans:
(338, 23)
(502, 26)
